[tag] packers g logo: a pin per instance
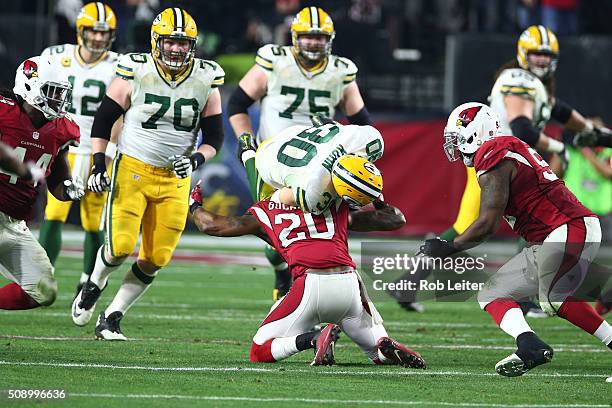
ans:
(30, 69)
(157, 19)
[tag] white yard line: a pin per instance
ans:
(283, 370)
(326, 401)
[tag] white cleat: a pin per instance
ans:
(514, 366)
(84, 304)
(107, 328)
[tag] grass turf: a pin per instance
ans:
(192, 333)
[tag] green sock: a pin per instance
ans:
(252, 176)
(50, 238)
(93, 241)
(449, 234)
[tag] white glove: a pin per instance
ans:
(36, 173)
(74, 188)
(181, 165)
(99, 182)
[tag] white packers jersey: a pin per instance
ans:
(164, 117)
(89, 83)
(302, 157)
(294, 94)
(520, 82)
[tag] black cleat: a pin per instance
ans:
(84, 303)
(531, 353)
(400, 354)
(108, 328)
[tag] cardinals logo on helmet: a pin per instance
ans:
(30, 69)
(467, 116)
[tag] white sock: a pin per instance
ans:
(101, 270)
(604, 332)
(130, 291)
(283, 347)
(514, 323)
(84, 278)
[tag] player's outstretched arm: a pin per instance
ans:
(386, 218)
(495, 191)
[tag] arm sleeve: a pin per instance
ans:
(106, 116)
(561, 112)
(523, 128)
(238, 102)
(212, 131)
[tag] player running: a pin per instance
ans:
(90, 67)
(326, 286)
(294, 83)
(563, 235)
(34, 125)
(166, 97)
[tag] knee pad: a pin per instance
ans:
(160, 258)
(45, 291)
(122, 245)
(275, 258)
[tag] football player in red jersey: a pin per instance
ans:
(32, 123)
(326, 286)
(563, 235)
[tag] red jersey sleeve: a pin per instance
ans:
(490, 154)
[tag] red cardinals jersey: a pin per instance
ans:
(306, 240)
(40, 146)
(539, 202)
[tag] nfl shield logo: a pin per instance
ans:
(35, 135)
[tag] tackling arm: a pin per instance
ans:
(222, 226)
(388, 218)
(495, 191)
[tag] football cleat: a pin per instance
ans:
(84, 303)
(412, 306)
(108, 328)
(400, 354)
(324, 343)
(603, 308)
(531, 353)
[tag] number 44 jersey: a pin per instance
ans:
(164, 116)
(302, 158)
(294, 94)
(89, 83)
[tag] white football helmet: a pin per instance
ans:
(41, 85)
(468, 127)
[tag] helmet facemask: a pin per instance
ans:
(542, 72)
(313, 53)
(175, 60)
(86, 38)
(54, 99)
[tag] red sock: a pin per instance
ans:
(262, 353)
(581, 314)
(498, 308)
(12, 297)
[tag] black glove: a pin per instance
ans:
(246, 142)
(438, 248)
(597, 137)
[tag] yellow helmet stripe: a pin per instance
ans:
(314, 17)
(101, 12)
(543, 35)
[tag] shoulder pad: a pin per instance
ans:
(518, 82)
(129, 63)
(346, 67)
(268, 55)
(213, 69)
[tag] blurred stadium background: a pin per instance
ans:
(417, 59)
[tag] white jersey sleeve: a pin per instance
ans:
(522, 83)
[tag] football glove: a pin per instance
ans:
(183, 166)
(35, 174)
(74, 188)
(99, 181)
(595, 137)
(437, 248)
(195, 198)
(246, 143)
(319, 120)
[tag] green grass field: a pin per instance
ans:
(192, 331)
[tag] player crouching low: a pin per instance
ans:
(326, 286)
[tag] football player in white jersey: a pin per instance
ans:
(166, 97)
(314, 166)
(90, 67)
(294, 83)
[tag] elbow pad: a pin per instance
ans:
(561, 112)
(238, 102)
(523, 129)
(361, 118)
(212, 131)
(106, 116)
